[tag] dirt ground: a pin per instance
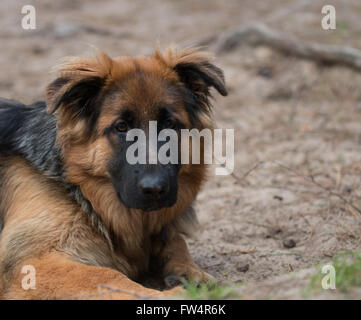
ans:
(293, 119)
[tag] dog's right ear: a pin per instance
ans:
(78, 86)
(74, 95)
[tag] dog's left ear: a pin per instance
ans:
(196, 70)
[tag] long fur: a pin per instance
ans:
(54, 189)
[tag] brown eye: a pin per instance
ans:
(170, 123)
(121, 126)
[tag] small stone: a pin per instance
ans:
(243, 268)
(347, 189)
(265, 72)
(289, 243)
(37, 50)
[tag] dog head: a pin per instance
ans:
(97, 101)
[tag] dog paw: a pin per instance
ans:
(173, 280)
(191, 274)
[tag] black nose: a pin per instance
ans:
(153, 185)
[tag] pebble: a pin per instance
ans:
(289, 243)
(243, 268)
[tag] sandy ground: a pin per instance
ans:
(266, 222)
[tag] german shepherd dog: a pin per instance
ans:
(72, 207)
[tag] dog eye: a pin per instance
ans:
(121, 126)
(170, 123)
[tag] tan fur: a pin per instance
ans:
(46, 228)
(60, 278)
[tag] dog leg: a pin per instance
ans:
(178, 263)
(58, 277)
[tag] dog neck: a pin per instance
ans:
(98, 199)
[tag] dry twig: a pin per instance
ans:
(259, 34)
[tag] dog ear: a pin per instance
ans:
(78, 86)
(76, 95)
(196, 70)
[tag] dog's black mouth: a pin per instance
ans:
(152, 207)
(150, 204)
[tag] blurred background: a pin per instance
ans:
(294, 198)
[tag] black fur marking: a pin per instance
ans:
(192, 106)
(80, 101)
(190, 74)
(163, 235)
(79, 95)
(58, 83)
(30, 132)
